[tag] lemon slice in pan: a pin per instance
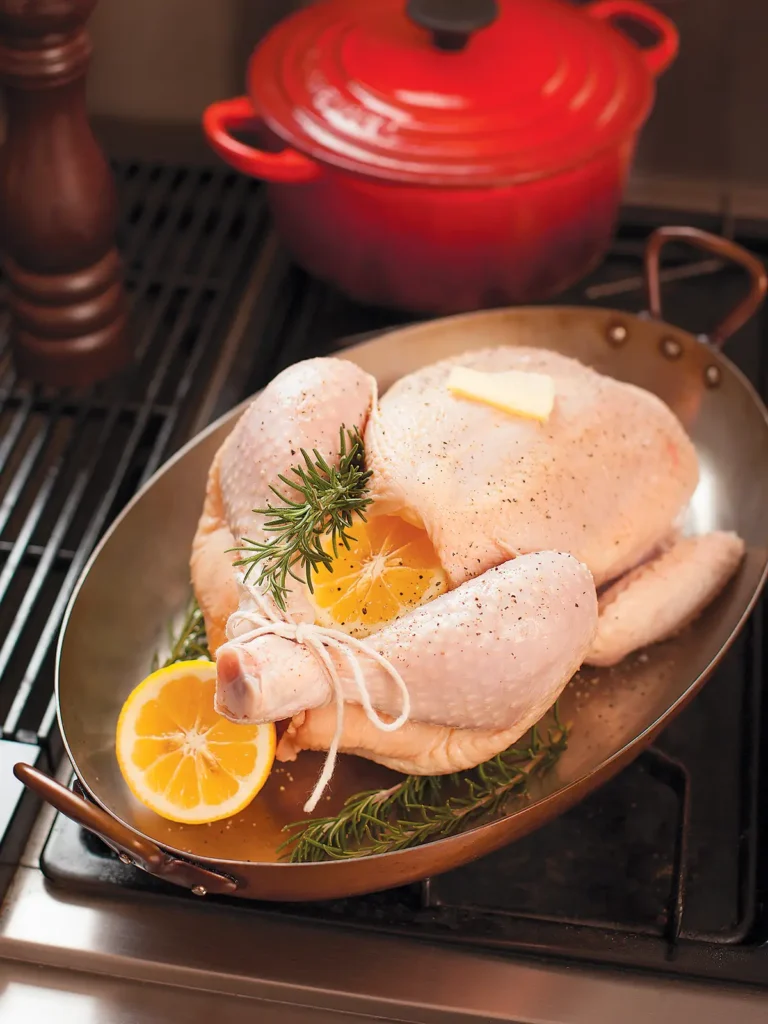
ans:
(182, 759)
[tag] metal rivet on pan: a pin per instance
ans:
(200, 890)
(712, 376)
(125, 858)
(617, 334)
(671, 348)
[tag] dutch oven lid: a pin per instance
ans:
(458, 91)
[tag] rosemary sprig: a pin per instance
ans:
(324, 504)
(421, 808)
(189, 643)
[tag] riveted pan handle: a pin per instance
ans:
(130, 847)
(721, 247)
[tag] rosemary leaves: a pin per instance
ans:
(189, 643)
(422, 808)
(324, 503)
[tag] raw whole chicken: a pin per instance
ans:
(527, 519)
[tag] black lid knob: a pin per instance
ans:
(452, 22)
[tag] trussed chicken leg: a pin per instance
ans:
(493, 653)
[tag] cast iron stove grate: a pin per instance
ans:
(69, 461)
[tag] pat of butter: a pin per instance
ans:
(514, 391)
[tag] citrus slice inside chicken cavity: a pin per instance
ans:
(389, 568)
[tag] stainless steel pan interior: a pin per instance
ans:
(138, 579)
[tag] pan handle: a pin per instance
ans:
(130, 847)
(721, 247)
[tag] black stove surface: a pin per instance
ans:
(663, 867)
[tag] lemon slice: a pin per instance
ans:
(182, 759)
(389, 568)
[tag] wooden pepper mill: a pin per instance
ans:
(58, 209)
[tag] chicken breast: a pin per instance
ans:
(604, 478)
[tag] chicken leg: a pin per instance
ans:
(495, 652)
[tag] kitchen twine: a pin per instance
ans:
(317, 640)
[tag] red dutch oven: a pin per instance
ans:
(447, 155)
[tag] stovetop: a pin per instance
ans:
(665, 868)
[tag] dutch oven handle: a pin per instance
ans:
(726, 250)
(660, 54)
(289, 166)
(130, 847)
